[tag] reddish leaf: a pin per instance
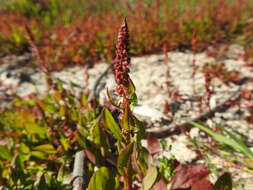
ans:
(187, 175)
(203, 184)
(160, 185)
(4, 141)
(90, 156)
(154, 146)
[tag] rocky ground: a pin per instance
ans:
(162, 80)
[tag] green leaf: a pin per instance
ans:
(24, 149)
(34, 128)
(60, 85)
(133, 101)
(111, 99)
(149, 179)
(235, 143)
(126, 119)
(138, 129)
(38, 154)
(102, 180)
(50, 108)
(84, 100)
(132, 94)
(112, 125)
(20, 163)
(45, 148)
(74, 114)
(4, 153)
(65, 143)
(240, 143)
(224, 182)
(124, 157)
(98, 137)
(62, 111)
(132, 88)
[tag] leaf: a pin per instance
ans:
(74, 114)
(132, 94)
(45, 148)
(99, 137)
(203, 184)
(90, 156)
(187, 175)
(243, 146)
(235, 143)
(224, 182)
(65, 143)
(20, 163)
(50, 108)
(126, 119)
(34, 128)
(84, 100)
(112, 125)
(160, 185)
(133, 101)
(62, 111)
(144, 159)
(132, 88)
(38, 154)
(101, 180)
(24, 149)
(60, 85)
(150, 178)
(124, 157)
(154, 146)
(4, 153)
(111, 99)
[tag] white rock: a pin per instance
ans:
(181, 152)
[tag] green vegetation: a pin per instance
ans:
(40, 136)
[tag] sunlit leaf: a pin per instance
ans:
(126, 119)
(62, 111)
(235, 143)
(24, 148)
(102, 180)
(150, 178)
(34, 128)
(5, 153)
(38, 154)
(65, 143)
(45, 148)
(50, 108)
(112, 125)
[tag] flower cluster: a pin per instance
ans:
(122, 61)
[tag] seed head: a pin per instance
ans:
(122, 61)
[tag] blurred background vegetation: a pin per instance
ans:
(40, 136)
(88, 27)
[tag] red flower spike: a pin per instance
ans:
(122, 61)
